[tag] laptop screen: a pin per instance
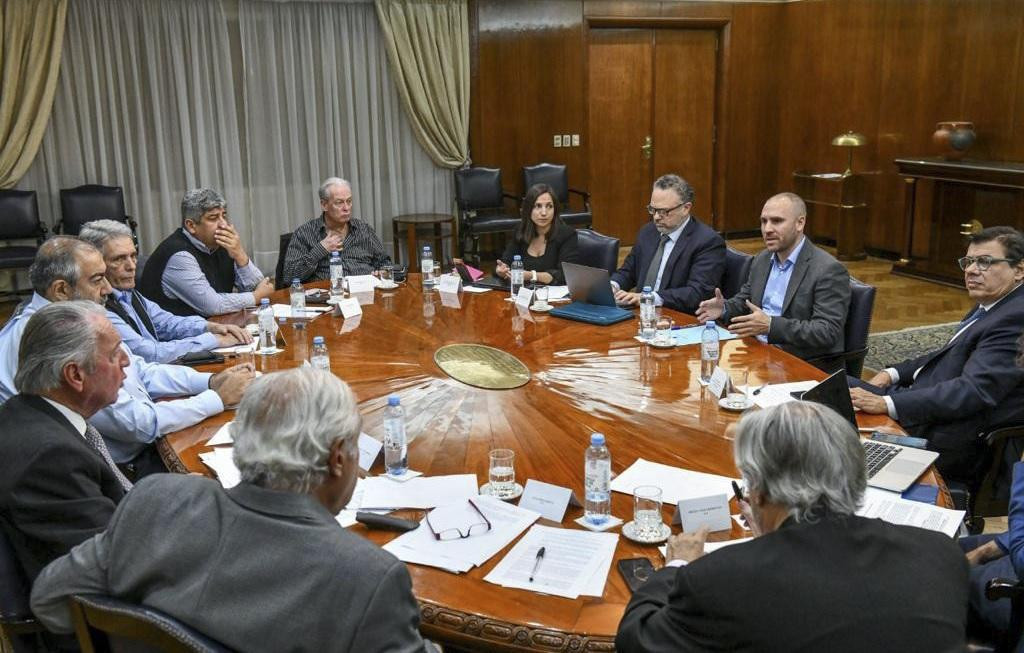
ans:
(834, 392)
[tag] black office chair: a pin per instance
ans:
(140, 265)
(988, 492)
(104, 625)
(999, 589)
(737, 269)
(19, 220)
(92, 202)
(557, 176)
(481, 201)
(855, 337)
(282, 249)
(17, 622)
(597, 250)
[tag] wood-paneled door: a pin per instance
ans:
(651, 111)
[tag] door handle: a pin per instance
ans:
(647, 148)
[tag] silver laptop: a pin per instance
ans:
(890, 466)
(589, 285)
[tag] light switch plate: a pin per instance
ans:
(566, 140)
(575, 140)
(558, 140)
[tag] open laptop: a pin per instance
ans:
(589, 285)
(890, 467)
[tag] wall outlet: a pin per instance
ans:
(575, 140)
(558, 140)
(566, 140)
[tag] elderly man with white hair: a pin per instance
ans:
(264, 565)
(156, 335)
(335, 230)
(816, 577)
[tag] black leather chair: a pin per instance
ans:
(557, 176)
(737, 269)
(19, 220)
(17, 622)
(104, 624)
(597, 250)
(1005, 589)
(481, 202)
(282, 249)
(988, 492)
(855, 339)
(91, 202)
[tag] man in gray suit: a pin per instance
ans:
(796, 295)
(262, 566)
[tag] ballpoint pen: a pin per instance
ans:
(536, 563)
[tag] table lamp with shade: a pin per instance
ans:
(849, 140)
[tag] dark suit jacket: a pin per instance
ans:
(839, 584)
(561, 248)
(255, 569)
(813, 320)
(968, 386)
(693, 271)
(55, 490)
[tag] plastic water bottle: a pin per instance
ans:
(265, 317)
(708, 351)
(396, 449)
(337, 276)
(597, 472)
(320, 360)
(648, 314)
(427, 267)
(516, 275)
(297, 294)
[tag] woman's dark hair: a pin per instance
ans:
(527, 231)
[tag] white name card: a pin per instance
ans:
(350, 307)
(549, 500)
(450, 299)
(524, 297)
(719, 380)
(361, 283)
(711, 510)
(369, 449)
(450, 283)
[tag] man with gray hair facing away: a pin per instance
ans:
(148, 330)
(196, 269)
(265, 566)
(335, 230)
(58, 484)
(816, 577)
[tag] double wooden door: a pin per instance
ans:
(651, 112)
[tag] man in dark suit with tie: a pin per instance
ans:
(796, 296)
(970, 385)
(815, 577)
(58, 484)
(679, 257)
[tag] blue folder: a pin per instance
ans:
(592, 313)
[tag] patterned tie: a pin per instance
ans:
(95, 440)
(652, 269)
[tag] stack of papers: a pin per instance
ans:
(779, 393)
(676, 484)
(691, 335)
(574, 563)
(423, 492)
(236, 349)
(891, 507)
(222, 463)
(285, 310)
(421, 547)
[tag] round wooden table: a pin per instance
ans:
(412, 223)
(585, 378)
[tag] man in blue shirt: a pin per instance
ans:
(796, 295)
(148, 330)
(69, 268)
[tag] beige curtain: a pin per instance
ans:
(32, 33)
(428, 49)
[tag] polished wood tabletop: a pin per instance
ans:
(585, 378)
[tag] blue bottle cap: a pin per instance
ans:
(517, 257)
(393, 400)
(597, 439)
(710, 324)
(333, 254)
(265, 301)
(318, 340)
(647, 289)
(295, 280)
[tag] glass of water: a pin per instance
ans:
(502, 473)
(647, 511)
(736, 396)
(386, 276)
(338, 288)
(663, 326)
(540, 298)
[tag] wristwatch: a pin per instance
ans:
(534, 275)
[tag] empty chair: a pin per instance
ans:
(282, 250)
(103, 624)
(855, 338)
(557, 176)
(19, 220)
(737, 269)
(597, 250)
(91, 202)
(482, 207)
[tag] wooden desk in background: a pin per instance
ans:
(586, 378)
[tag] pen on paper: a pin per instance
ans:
(737, 491)
(758, 390)
(536, 563)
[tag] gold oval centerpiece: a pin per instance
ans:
(482, 366)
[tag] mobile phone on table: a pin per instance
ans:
(635, 571)
(900, 440)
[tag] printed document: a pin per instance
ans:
(891, 507)
(675, 483)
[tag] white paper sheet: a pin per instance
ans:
(476, 289)
(711, 546)
(222, 436)
(557, 292)
(423, 492)
(221, 462)
(675, 483)
(779, 393)
(236, 349)
(347, 516)
(285, 310)
(891, 507)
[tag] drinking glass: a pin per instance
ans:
(737, 392)
(502, 473)
(386, 276)
(647, 511)
(663, 330)
(437, 274)
(540, 298)
(338, 288)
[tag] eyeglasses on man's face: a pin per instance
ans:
(478, 528)
(652, 211)
(983, 262)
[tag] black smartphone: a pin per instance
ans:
(901, 440)
(635, 571)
